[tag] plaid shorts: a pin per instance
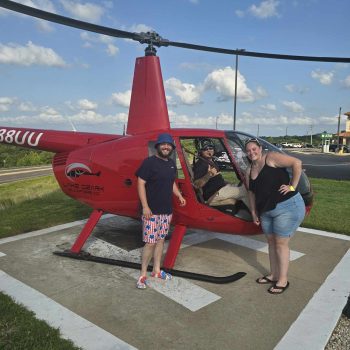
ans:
(156, 228)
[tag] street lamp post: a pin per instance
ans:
(339, 127)
(235, 100)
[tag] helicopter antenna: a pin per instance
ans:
(153, 39)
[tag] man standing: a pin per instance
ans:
(155, 185)
(208, 177)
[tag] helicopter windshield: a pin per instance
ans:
(236, 141)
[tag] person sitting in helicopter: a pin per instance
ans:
(207, 177)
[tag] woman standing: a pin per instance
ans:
(276, 205)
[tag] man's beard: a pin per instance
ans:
(161, 155)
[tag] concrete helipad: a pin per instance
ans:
(98, 306)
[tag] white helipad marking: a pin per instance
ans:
(323, 233)
(82, 332)
(48, 230)
(243, 241)
(181, 291)
(314, 326)
(178, 289)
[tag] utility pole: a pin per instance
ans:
(235, 99)
(311, 126)
(339, 127)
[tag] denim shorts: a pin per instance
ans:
(285, 218)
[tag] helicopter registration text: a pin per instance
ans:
(20, 137)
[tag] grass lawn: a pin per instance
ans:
(35, 204)
(19, 329)
(39, 203)
(330, 211)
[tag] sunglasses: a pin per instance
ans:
(208, 148)
(255, 140)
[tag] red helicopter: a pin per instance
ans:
(99, 169)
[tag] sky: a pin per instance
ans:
(62, 78)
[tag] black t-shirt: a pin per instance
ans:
(213, 185)
(159, 175)
(266, 188)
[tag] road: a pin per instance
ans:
(324, 165)
(16, 174)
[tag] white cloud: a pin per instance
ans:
(293, 106)
(333, 120)
(346, 82)
(122, 98)
(6, 103)
(86, 12)
(265, 9)
(269, 107)
(223, 81)
(26, 107)
(240, 13)
(45, 5)
(90, 39)
(325, 78)
(112, 50)
(139, 28)
(189, 94)
(85, 104)
(7, 100)
(30, 54)
(261, 92)
(296, 89)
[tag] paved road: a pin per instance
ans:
(16, 174)
(324, 165)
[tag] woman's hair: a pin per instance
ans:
(255, 140)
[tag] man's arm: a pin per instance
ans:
(178, 194)
(141, 189)
(212, 171)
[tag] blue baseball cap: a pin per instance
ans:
(165, 138)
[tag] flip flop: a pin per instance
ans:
(279, 288)
(264, 280)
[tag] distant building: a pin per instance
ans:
(344, 137)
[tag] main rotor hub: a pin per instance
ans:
(152, 39)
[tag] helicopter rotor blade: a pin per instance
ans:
(241, 52)
(53, 17)
(153, 38)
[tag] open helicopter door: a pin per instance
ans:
(229, 169)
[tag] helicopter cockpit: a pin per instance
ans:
(229, 169)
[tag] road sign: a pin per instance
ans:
(326, 136)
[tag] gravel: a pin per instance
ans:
(340, 339)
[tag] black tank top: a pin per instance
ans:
(266, 185)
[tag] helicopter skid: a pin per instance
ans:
(137, 266)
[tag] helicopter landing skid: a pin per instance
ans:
(178, 273)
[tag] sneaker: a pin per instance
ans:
(162, 275)
(142, 282)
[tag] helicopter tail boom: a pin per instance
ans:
(50, 140)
